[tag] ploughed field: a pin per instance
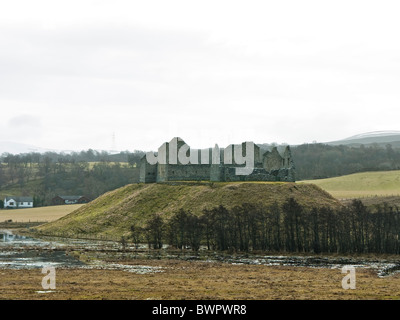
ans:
(41, 214)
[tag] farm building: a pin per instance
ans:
(12, 202)
(60, 200)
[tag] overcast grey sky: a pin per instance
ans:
(73, 73)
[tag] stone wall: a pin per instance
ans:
(200, 172)
(259, 174)
(148, 172)
(162, 172)
(272, 160)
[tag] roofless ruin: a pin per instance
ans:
(176, 161)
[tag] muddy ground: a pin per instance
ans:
(177, 279)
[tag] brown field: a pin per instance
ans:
(43, 214)
(200, 280)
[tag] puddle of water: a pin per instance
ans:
(383, 268)
(139, 269)
(19, 252)
(26, 253)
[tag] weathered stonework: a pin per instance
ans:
(268, 166)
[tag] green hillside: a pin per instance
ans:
(114, 212)
(364, 184)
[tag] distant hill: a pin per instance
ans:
(379, 137)
(114, 212)
(19, 148)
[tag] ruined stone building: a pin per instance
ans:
(176, 161)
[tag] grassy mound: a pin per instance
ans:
(113, 213)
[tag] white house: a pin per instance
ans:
(18, 202)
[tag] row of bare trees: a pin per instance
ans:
(286, 228)
(44, 176)
(318, 160)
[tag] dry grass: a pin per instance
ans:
(51, 213)
(200, 280)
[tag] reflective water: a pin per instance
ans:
(20, 252)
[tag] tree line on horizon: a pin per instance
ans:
(286, 228)
(92, 173)
(317, 160)
(312, 160)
